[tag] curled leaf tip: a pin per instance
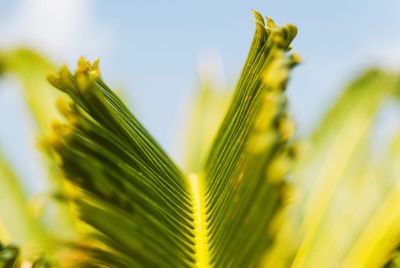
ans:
(82, 81)
(95, 71)
(270, 23)
(83, 65)
(296, 59)
(56, 126)
(54, 80)
(278, 168)
(286, 128)
(66, 78)
(258, 17)
(276, 75)
(65, 109)
(95, 65)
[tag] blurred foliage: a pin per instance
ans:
(251, 194)
(31, 68)
(346, 206)
(16, 221)
(32, 224)
(202, 124)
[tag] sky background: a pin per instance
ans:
(151, 50)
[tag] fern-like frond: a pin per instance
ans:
(346, 211)
(128, 181)
(145, 211)
(250, 156)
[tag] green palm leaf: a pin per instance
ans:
(346, 212)
(141, 210)
(244, 171)
(144, 211)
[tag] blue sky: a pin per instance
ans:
(150, 49)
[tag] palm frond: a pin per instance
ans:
(244, 172)
(345, 211)
(128, 180)
(145, 211)
(245, 201)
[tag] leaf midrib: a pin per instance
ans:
(200, 224)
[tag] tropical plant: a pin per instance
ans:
(255, 197)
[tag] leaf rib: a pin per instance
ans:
(200, 222)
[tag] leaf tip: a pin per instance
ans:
(54, 80)
(258, 17)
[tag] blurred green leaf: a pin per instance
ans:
(207, 113)
(31, 69)
(346, 205)
(22, 223)
(15, 216)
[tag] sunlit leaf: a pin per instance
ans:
(164, 217)
(345, 211)
(249, 195)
